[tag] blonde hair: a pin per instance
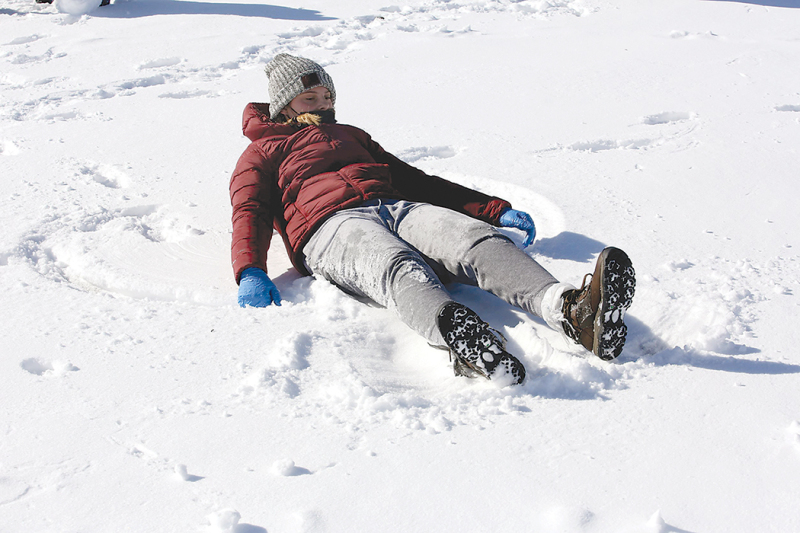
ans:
(304, 119)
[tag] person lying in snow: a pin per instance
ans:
(377, 227)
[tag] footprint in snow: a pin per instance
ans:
(426, 153)
(150, 81)
(311, 31)
(25, 39)
(159, 63)
(105, 175)
(181, 95)
(676, 266)
(602, 145)
(788, 108)
(25, 59)
(67, 115)
(667, 117)
(164, 74)
(40, 368)
(682, 34)
(351, 32)
(337, 38)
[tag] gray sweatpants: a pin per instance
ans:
(399, 253)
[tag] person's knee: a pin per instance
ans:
(482, 234)
(409, 266)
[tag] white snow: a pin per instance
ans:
(137, 396)
(76, 7)
(224, 521)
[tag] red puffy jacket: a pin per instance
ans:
(292, 178)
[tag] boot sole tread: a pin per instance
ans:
(476, 349)
(616, 295)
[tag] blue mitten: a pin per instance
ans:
(257, 290)
(511, 218)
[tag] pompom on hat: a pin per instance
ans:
(289, 76)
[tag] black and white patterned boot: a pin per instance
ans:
(477, 349)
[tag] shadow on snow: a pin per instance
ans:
(688, 357)
(149, 8)
(767, 3)
(569, 246)
(644, 345)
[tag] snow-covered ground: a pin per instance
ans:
(135, 395)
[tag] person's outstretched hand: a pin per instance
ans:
(257, 290)
(511, 218)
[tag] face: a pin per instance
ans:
(316, 99)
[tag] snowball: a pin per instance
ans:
(793, 434)
(284, 467)
(224, 520)
(182, 472)
(62, 367)
(77, 7)
(656, 524)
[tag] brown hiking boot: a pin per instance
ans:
(593, 314)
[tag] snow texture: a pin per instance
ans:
(137, 396)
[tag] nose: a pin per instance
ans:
(325, 105)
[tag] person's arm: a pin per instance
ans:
(418, 186)
(251, 190)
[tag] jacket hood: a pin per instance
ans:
(255, 121)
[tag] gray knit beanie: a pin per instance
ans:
(290, 76)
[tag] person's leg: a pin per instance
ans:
(356, 250)
(476, 253)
